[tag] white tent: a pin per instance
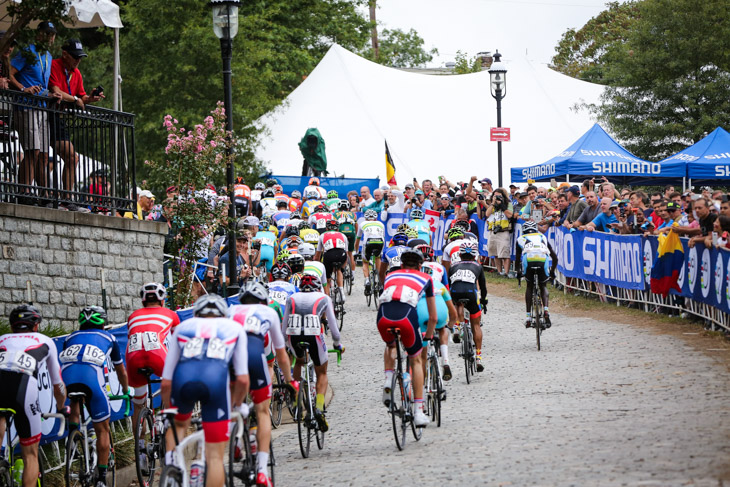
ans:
(434, 125)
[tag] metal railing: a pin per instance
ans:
(56, 154)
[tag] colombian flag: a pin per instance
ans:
(668, 263)
(389, 167)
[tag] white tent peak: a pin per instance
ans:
(434, 125)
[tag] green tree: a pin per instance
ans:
(464, 65)
(669, 82)
(21, 14)
(584, 53)
(400, 49)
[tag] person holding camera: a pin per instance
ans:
(498, 213)
(418, 201)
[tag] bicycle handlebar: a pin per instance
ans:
(127, 398)
(60, 416)
(338, 352)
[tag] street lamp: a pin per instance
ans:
(498, 87)
(225, 26)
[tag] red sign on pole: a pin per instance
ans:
(499, 134)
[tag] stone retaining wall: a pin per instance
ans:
(62, 254)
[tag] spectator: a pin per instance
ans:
(418, 201)
(487, 189)
(244, 265)
(725, 206)
(67, 83)
(521, 202)
(674, 216)
(587, 186)
(378, 203)
(499, 213)
(527, 208)
(668, 191)
(32, 125)
(513, 191)
(608, 190)
(444, 205)
(677, 198)
(590, 212)
(720, 233)
(5, 63)
(602, 222)
(563, 206)
(706, 220)
(365, 198)
(145, 201)
(395, 203)
(354, 201)
(625, 193)
(576, 208)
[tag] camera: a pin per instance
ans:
(256, 245)
(480, 197)
(414, 200)
(97, 91)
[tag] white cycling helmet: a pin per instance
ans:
(306, 250)
(153, 291)
(210, 304)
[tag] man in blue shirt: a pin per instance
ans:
(31, 76)
(602, 222)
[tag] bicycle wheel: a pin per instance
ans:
(111, 470)
(536, 314)
(304, 427)
(349, 277)
(76, 474)
(144, 433)
(436, 391)
(240, 462)
(171, 476)
(272, 462)
(398, 410)
(6, 479)
(466, 349)
(276, 405)
(341, 306)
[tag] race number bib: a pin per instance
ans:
(267, 241)
(294, 326)
(70, 354)
(135, 342)
(193, 348)
(279, 297)
(251, 325)
(312, 325)
(329, 245)
(394, 262)
(93, 355)
(151, 340)
(373, 232)
(463, 275)
(17, 362)
(216, 349)
(321, 223)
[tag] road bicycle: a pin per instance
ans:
(81, 451)
(435, 392)
(242, 462)
(149, 440)
(11, 462)
(468, 352)
(374, 293)
(401, 404)
(348, 275)
(536, 308)
(177, 473)
(338, 300)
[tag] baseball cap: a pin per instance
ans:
(485, 180)
(445, 197)
(522, 195)
(513, 186)
(672, 205)
(615, 203)
(418, 191)
(74, 47)
(146, 193)
(47, 27)
(251, 221)
(574, 189)
(409, 186)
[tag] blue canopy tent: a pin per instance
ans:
(708, 159)
(597, 154)
(341, 185)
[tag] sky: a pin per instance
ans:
(515, 27)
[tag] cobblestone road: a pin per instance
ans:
(603, 404)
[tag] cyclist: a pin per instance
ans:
(22, 353)
(302, 323)
(454, 237)
(295, 202)
(391, 255)
(260, 321)
(83, 360)
(446, 313)
(372, 234)
(464, 277)
(332, 250)
(242, 197)
(148, 328)
(535, 254)
(315, 188)
(402, 290)
(267, 243)
(196, 370)
(311, 266)
(281, 216)
(420, 225)
(312, 199)
(348, 227)
(258, 188)
(280, 196)
(307, 234)
(268, 202)
(438, 272)
(333, 200)
(280, 288)
(319, 219)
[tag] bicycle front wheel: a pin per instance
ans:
(171, 476)
(340, 306)
(304, 428)
(276, 405)
(76, 474)
(144, 448)
(111, 471)
(240, 462)
(537, 314)
(398, 409)
(6, 480)
(436, 391)
(466, 349)
(349, 277)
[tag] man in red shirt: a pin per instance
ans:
(66, 81)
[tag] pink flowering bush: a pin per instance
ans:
(194, 159)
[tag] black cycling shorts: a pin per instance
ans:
(373, 248)
(539, 268)
(242, 205)
(333, 257)
(472, 304)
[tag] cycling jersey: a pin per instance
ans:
(281, 219)
(371, 230)
(280, 291)
(319, 221)
(314, 268)
(423, 229)
(256, 195)
(310, 236)
(332, 203)
(438, 273)
(331, 240)
(21, 356)
(534, 250)
(442, 311)
(200, 352)
(451, 251)
(464, 276)
(241, 191)
(302, 322)
(258, 321)
(148, 329)
(268, 242)
(268, 206)
(391, 256)
(294, 204)
(309, 206)
(345, 217)
(82, 360)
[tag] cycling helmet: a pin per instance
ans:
(343, 205)
(332, 225)
(239, 180)
(296, 194)
(411, 258)
(292, 230)
(281, 204)
(295, 215)
(259, 186)
(281, 271)
(320, 209)
(271, 182)
(254, 292)
(314, 181)
(463, 224)
(306, 250)
(529, 227)
(454, 233)
(296, 263)
(265, 223)
(304, 226)
(25, 318)
(371, 215)
(417, 214)
(294, 241)
(278, 189)
(310, 283)
(411, 232)
(403, 227)
(210, 305)
(92, 317)
(311, 194)
(268, 193)
(283, 255)
(332, 194)
(468, 247)
(153, 291)
(427, 252)
(399, 239)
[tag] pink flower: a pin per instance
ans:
(213, 143)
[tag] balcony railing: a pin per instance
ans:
(59, 156)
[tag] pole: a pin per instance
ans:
(227, 54)
(374, 30)
(498, 96)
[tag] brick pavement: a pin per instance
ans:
(603, 404)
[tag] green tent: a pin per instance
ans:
(312, 148)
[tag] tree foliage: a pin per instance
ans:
(465, 65)
(400, 49)
(21, 14)
(669, 82)
(584, 53)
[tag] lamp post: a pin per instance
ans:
(225, 26)
(498, 87)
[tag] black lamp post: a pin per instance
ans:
(498, 87)
(225, 26)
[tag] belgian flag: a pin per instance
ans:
(389, 167)
(668, 264)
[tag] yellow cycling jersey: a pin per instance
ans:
(309, 236)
